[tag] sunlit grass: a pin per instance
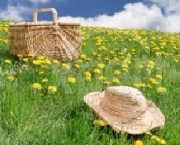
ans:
(41, 100)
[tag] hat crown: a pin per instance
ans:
(124, 99)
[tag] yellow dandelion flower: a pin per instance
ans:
(88, 78)
(128, 55)
(87, 74)
(7, 61)
(66, 66)
(47, 61)
(55, 61)
(148, 133)
(37, 62)
(71, 80)
(143, 85)
(133, 50)
(25, 59)
(97, 71)
(148, 85)
(31, 55)
(107, 59)
(100, 122)
(139, 85)
(117, 72)
(116, 59)
(77, 65)
(94, 53)
(98, 55)
(5, 41)
(102, 47)
(153, 80)
(37, 86)
(125, 69)
(127, 61)
(79, 61)
(156, 138)
(111, 52)
(124, 65)
(138, 142)
(41, 57)
(11, 78)
(20, 55)
(106, 83)
(83, 56)
(116, 81)
(158, 53)
(44, 80)
(151, 64)
(162, 141)
(52, 89)
(101, 65)
(161, 89)
(102, 78)
(88, 59)
(158, 76)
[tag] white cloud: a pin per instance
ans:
(16, 13)
(169, 6)
(171, 23)
(137, 15)
(39, 1)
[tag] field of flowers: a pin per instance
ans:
(41, 100)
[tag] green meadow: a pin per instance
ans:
(41, 100)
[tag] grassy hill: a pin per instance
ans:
(41, 101)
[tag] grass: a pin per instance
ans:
(141, 58)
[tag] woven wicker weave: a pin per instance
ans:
(51, 39)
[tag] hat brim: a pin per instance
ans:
(152, 118)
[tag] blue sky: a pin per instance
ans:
(161, 15)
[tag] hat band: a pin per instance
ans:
(136, 115)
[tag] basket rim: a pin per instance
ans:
(40, 24)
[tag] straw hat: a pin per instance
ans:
(125, 109)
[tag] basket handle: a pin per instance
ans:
(54, 13)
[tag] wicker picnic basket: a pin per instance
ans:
(54, 40)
